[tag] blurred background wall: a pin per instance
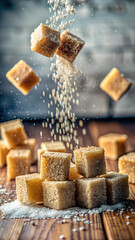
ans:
(108, 28)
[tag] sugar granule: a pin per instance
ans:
(61, 237)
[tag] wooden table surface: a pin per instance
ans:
(107, 225)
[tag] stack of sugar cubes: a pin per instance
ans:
(52, 185)
(97, 187)
(62, 184)
(16, 149)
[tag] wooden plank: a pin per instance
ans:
(10, 229)
(116, 225)
(54, 228)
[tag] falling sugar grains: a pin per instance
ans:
(64, 76)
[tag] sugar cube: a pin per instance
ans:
(91, 192)
(45, 40)
(15, 121)
(30, 144)
(114, 145)
(117, 187)
(115, 84)
(73, 174)
(127, 166)
(54, 146)
(13, 133)
(39, 153)
(22, 77)
(18, 162)
(3, 153)
(90, 161)
(29, 188)
(70, 46)
(59, 194)
(55, 166)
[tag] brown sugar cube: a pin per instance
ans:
(15, 121)
(90, 161)
(13, 133)
(114, 145)
(39, 153)
(55, 146)
(127, 166)
(3, 153)
(55, 166)
(73, 174)
(29, 188)
(45, 40)
(30, 144)
(70, 46)
(115, 84)
(117, 187)
(18, 163)
(91, 192)
(59, 194)
(22, 77)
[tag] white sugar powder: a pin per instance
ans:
(17, 210)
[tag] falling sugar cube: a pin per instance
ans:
(115, 84)
(22, 77)
(45, 40)
(70, 46)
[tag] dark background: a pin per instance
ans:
(108, 28)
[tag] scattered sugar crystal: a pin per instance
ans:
(64, 221)
(61, 237)
(127, 223)
(81, 228)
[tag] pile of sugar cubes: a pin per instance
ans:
(61, 184)
(16, 149)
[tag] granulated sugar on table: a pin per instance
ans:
(18, 210)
